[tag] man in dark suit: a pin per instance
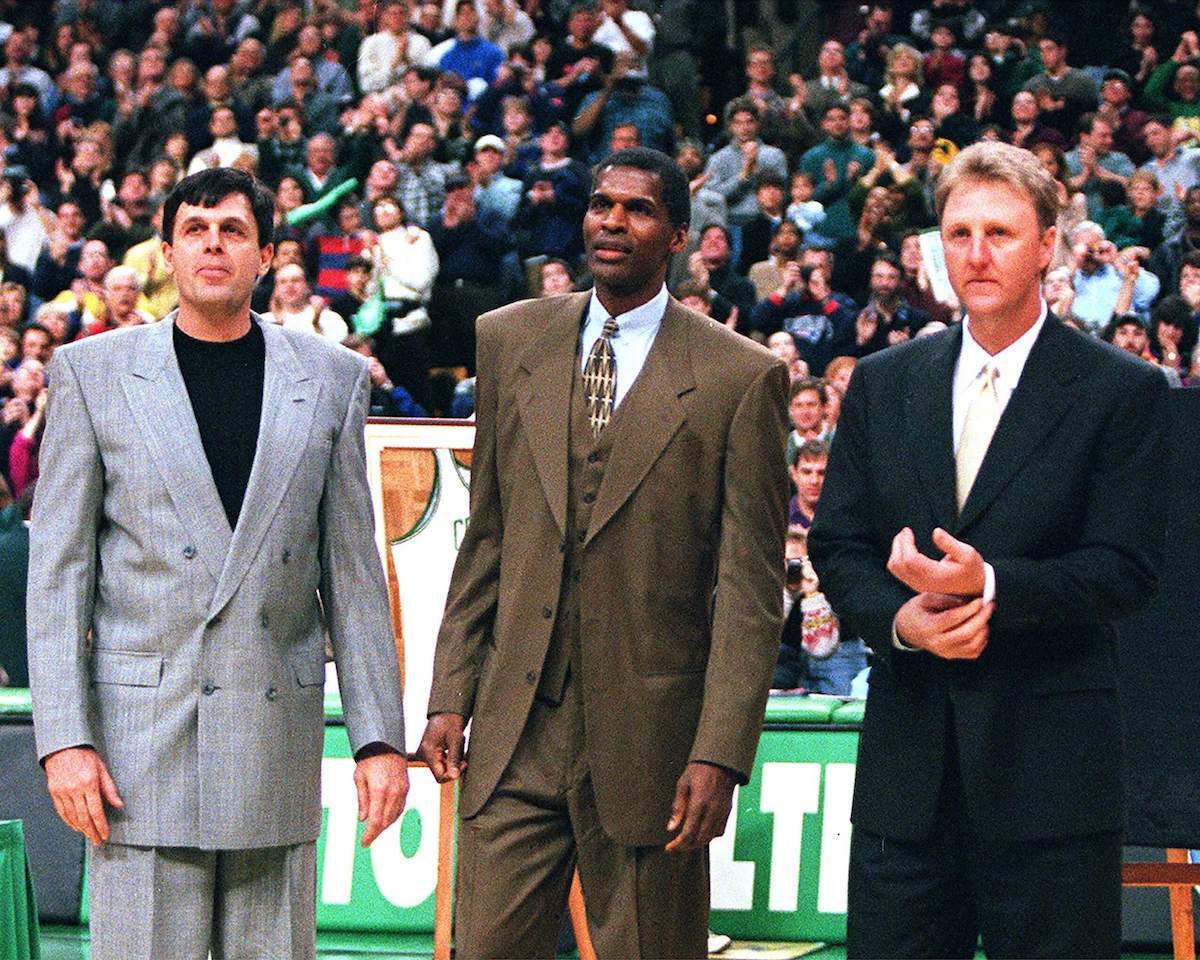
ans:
(614, 614)
(1025, 456)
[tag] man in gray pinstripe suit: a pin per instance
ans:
(203, 518)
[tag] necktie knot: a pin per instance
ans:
(611, 328)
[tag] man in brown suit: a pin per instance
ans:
(614, 614)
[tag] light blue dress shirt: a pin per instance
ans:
(636, 331)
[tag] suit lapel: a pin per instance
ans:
(1048, 387)
(545, 371)
(288, 405)
(162, 410)
(929, 418)
(648, 417)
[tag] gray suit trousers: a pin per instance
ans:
(182, 903)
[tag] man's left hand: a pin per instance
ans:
(703, 799)
(959, 572)
(382, 783)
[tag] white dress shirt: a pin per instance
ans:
(636, 331)
(972, 360)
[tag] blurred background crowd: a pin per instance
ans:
(432, 160)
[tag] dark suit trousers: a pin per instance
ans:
(516, 857)
(1055, 897)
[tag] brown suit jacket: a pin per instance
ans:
(681, 571)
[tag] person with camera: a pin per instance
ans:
(1108, 281)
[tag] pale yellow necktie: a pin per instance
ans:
(983, 414)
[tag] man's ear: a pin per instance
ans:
(679, 240)
(265, 255)
(168, 256)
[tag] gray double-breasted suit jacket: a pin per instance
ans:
(192, 656)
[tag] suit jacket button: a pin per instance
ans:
(531, 676)
(209, 688)
(589, 497)
(581, 536)
(593, 457)
(264, 619)
(547, 612)
(286, 556)
(272, 693)
(189, 551)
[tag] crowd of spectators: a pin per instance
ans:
(432, 159)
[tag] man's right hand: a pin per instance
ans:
(945, 625)
(79, 785)
(442, 746)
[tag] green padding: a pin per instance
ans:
(851, 712)
(800, 709)
(15, 700)
(333, 705)
(19, 936)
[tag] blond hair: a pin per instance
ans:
(989, 162)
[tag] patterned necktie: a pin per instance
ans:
(982, 416)
(600, 378)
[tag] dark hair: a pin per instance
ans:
(808, 383)
(1173, 309)
(359, 263)
(744, 104)
(886, 256)
(810, 450)
(675, 192)
(768, 178)
(207, 188)
(690, 288)
(1118, 321)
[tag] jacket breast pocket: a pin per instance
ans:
(131, 668)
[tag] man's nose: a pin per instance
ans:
(615, 217)
(978, 250)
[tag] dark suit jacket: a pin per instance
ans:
(1065, 508)
(691, 508)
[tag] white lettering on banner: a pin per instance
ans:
(404, 881)
(339, 794)
(731, 881)
(835, 838)
(789, 791)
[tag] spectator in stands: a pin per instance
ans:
(887, 318)
(24, 222)
(915, 286)
(148, 113)
(625, 97)
(470, 247)
(294, 308)
(1127, 331)
(714, 260)
(1063, 93)
(772, 108)
(467, 53)
(359, 272)
(249, 84)
(1173, 329)
(159, 293)
(733, 170)
(18, 68)
(1168, 259)
(328, 248)
(806, 413)
(628, 32)
(1116, 106)
(782, 344)
(866, 57)
(953, 123)
(214, 29)
(329, 76)
(833, 166)
(555, 278)
(983, 98)
(1095, 161)
(420, 180)
(122, 287)
(1027, 128)
(903, 95)
(1107, 281)
(804, 307)
(494, 190)
(226, 145)
(58, 263)
(876, 235)
(1072, 204)
(506, 25)
(406, 267)
(807, 470)
(767, 274)
(1138, 57)
(832, 84)
(85, 297)
(449, 125)
(24, 433)
(579, 63)
(1177, 168)
(554, 196)
(387, 399)
(758, 231)
(37, 343)
(943, 64)
(14, 570)
(280, 140)
(1181, 74)
(1149, 226)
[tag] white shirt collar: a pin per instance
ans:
(640, 319)
(1009, 362)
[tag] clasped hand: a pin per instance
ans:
(947, 617)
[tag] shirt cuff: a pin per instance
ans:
(989, 583)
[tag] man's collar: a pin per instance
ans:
(648, 315)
